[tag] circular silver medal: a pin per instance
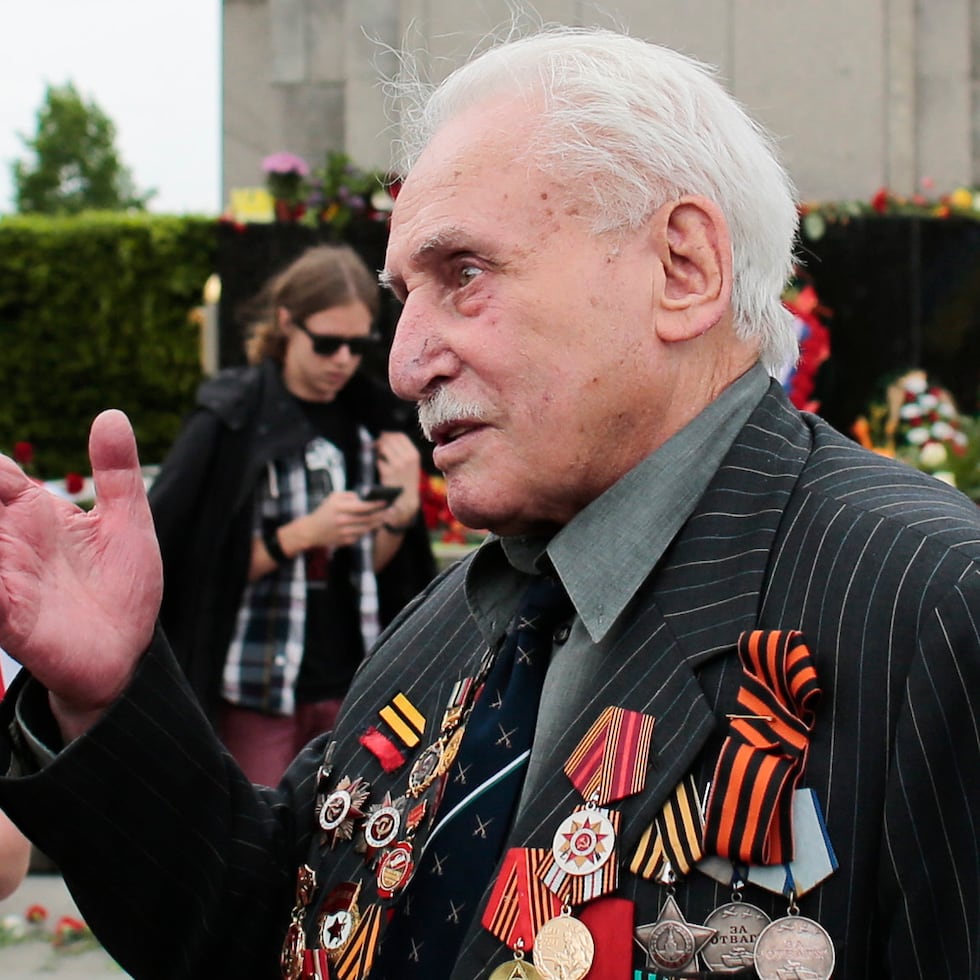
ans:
(335, 809)
(563, 949)
(738, 926)
(794, 946)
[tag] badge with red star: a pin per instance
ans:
(580, 867)
(339, 918)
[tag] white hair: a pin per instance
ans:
(630, 125)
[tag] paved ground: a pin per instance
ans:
(34, 958)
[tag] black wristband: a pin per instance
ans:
(398, 528)
(270, 538)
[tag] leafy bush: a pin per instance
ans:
(98, 311)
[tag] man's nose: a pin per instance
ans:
(420, 354)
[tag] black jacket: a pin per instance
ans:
(202, 508)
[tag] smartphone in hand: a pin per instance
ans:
(379, 492)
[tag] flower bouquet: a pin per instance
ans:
(917, 421)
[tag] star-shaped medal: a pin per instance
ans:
(341, 809)
(671, 943)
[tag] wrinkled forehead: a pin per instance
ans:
(477, 162)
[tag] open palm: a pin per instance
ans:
(80, 592)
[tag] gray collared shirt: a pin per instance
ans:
(605, 554)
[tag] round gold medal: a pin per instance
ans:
(563, 949)
(516, 970)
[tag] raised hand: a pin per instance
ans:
(80, 592)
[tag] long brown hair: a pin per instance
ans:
(323, 277)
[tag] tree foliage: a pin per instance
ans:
(75, 164)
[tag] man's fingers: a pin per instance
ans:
(13, 480)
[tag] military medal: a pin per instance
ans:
(293, 948)
(294, 945)
(341, 808)
(738, 925)
(338, 918)
(381, 827)
(583, 845)
(671, 943)
(395, 869)
(794, 946)
(438, 757)
(563, 948)
(425, 771)
(517, 969)
(609, 763)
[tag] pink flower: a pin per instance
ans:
(285, 163)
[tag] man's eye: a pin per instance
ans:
(468, 273)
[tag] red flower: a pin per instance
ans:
(36, 913)
(68, 930)
(24, 453)
(74, 482)
(880, 201)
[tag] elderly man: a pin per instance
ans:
(702, 703)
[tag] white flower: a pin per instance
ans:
(933, 454)
(381, 200)
(946, 477)
(916, 382)
(13, 926)
(910, 410)
(942, 430)
(928, 401)
(917, 436)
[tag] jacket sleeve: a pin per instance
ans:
(180, 866)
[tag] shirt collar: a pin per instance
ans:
(625, 531)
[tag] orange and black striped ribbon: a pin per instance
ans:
(611, 761)
(520, 903)
(748, 818)
(672, 842)
(358, 956)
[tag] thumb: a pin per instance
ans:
(115, 460)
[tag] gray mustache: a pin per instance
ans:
(442, 407)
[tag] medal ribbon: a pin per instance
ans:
(610, 762)
(520, 903)
(748, 818)
(357, 958)
(672, 842)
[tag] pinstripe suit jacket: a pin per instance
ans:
(877, 565)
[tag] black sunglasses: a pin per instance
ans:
(327, 344)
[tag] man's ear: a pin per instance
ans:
(696, 255)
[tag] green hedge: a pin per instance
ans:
(97, 311)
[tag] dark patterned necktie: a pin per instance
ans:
(481, 795)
